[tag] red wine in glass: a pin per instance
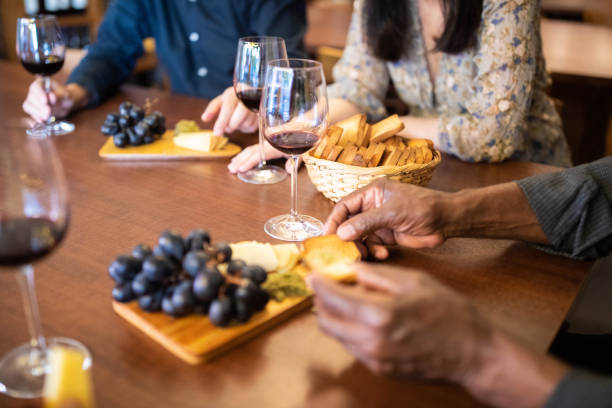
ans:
(25, 240)
(250, 98)
(293, 143)
(47, 67)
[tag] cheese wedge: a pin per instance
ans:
(203, 141)
(257, 253)
(68, 383)
(287, 256)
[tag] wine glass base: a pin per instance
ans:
(293, 228)
(51, 129)
(23, 370)
(267, 174)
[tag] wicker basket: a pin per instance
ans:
(335, 180)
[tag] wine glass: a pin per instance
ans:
(253, 54)
(33, 221)
(294, 117)
(41, 49)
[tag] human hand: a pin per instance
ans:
(230, 113)
(250, 156)
(389, 213)
(59, 103)
(402, 322)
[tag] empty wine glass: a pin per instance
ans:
(253, 55)
(294, 116)
(41, 49)
(33, 221)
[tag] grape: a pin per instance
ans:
(223, 252)
(142, 251)
(201, 308)
(230, 290)
(136, 113)
(166, 305)
(183, 300)
(197, 239)
(120, 139)
(235, 267)
(172, 244)
(112, 118)
(135, 140)
(260, 299)
(124, 267)
(194, 262)
(150, 120)
(243, 310)
(159, 129)
(142, 129)
(151, 302)
(148, 138)
(125, 108)
(109, 129)
(123, 292)
(124, 121)
(157, 251)
(206, 286)
(255, 273)
(156, 268)
(143, 286)
(220, 312)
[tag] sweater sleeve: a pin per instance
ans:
(574, 208)
(580, 389)
(110, 60)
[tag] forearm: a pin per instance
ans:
(509, 375)
(341, 109)
(421, 128)
(500, 211)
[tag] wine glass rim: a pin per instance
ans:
(308, 64)
(260, 39)
(38, 17)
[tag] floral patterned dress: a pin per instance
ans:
(490, 99)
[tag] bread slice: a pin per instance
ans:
(334, 153)
(427, 155)
(386, 128)
(351, 128)
(378, 154)
(359, 159)
(318, 151)
(331, 256)
(334, 133)
(403, 160)
(348, 154)
(411, 155)
(363, 135)
(392, 158)
(418, 155)
(370, 152)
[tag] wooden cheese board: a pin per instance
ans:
(195, 340)
(163, 149)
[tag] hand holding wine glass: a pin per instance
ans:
(41, 50)
(294, 116)
(33, 221)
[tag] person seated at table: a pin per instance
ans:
(195, 42)
(404, 322)
(471, 71)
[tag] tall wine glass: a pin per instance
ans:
(251, 59)
(41, 49)
(33, 221)
(294, 110)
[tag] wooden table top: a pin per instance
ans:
(117, 205)
(570, 48)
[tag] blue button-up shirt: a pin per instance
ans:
(195, 41)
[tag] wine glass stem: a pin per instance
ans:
(262, 157)
(25, 278)
(294, 172)
(47, 88)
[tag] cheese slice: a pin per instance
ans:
(256, 253)
(68, 382)
(287, 255)
(202, 141)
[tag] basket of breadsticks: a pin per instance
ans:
(353, 153)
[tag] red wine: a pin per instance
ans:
(47, 67)
(23, 240)
(293, 143)
(250, 98)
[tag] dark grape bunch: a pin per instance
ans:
(184, 276)
(130, 127)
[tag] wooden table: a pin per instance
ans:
(117, 205)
